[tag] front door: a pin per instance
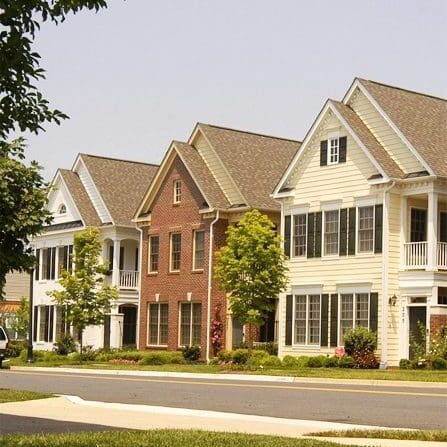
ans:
(267, 330)
(129, 325)
(417, 327)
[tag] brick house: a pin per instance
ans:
(202, 186)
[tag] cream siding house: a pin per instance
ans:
(364, 223)
(97, 192)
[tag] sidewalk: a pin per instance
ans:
(144, 417)
(235, 377)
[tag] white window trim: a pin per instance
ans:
(177, 198)
(337, 154)
(149, 254)
(171, 270)
(323, 222)
(299, 292)
(158, 325)
(194, 269)
(292, 248)
(190, 322)
(39, 314)
(354, 308)
(357, 226)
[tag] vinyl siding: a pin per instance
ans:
(17, 286)
(384, 133)
(215, 165)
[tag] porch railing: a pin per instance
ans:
(415, 255)
(128, 279)
(442, 255)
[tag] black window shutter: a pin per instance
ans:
(342, 150)
(324, 319)
(334, 320)
(287, 235)
(121, 264)
(323, 153)
(289, 312)
(378, 221)
(351, 231)
(318, 224)
(35, 317)
(37, 267)
(443, 227)
(311, 235)
(373, 311)
(343, 232)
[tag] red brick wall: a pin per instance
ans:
(436, 322)
(173, 288)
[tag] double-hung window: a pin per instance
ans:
(48, 263)
(354, 312)
(366, 229)
(177, 191)
(176, 252)
(331, 233)
(299, 235)
(154, 247)
(190, 323)
(65, 261)
(158, 324)
(334, 151)
(46, 323)
(198, 250)
(307, 319)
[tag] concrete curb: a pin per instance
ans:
(235, 377)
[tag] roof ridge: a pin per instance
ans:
(119, 159)
(404, 89)
(249, 132)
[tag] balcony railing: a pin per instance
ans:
(416, 255)
(128, 279)
(442, 255)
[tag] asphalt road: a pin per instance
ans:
(407, 407)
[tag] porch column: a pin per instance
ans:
(116, 263)
(432, 230)
(403, 228)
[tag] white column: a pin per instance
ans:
(403, 228)
(116, 328)
(432, 230)
(116, 263)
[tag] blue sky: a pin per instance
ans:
(141, 73)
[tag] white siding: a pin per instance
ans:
(17, 286)
(58, 196)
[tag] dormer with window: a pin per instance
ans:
(333, 150)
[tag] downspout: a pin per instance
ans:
(140, 274)
(281, 295)
(210, 276)
(384, 335)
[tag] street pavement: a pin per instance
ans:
(397, 406)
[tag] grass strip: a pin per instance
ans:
(407, 435)
(7, 395)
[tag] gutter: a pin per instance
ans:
(210, 274)
(140, 266)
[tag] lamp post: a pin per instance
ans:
(29, 356)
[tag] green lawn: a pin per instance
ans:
(16, 396)
(414, 435)
(157, 438)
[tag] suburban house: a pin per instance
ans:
(364, 222)
(97, 192)
(203, 185)
(16, 287)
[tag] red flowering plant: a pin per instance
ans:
(216, 330)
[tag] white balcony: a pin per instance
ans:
(442, 255)
(416, 255)
(128, 279)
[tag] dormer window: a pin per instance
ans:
(62, 209)
(333, 150)
(334, 146)
(177, 192)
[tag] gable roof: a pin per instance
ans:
(80, 197)
(120, 183)
(254, 161)
(421, 118)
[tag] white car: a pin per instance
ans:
(3, 344)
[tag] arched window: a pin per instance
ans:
(62, 209)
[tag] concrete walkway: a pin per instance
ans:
(144, 417)
(236, 377)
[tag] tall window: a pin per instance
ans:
(307, 319)
(366, 229)
(299, 235)
(199, 250)
(331, 232)
(62, 325)
(46, 322)
(354, 312)
(49, 263)
(177, 191)
(333, 151)
(158, 324)
(176, 251)
(65, 261)
(154, 250)
(190, 323)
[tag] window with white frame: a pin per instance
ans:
(158, 324)
(48, 263)
(190, 323)
(365, 229)
(154, 247)
(299, 235)
(176, 252)
(46, 323)
(334, 151)
(354, 312)
(65, 260)
(331, 220)
(307, 319)
(62, 209)
(177, 191)
(198, 250)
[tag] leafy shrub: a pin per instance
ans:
(88, 354)
(438, 344)
(272, 361)
(161, 358)
(404, 364)
(346, 362)
(317, 361)
(65, 345)
(303, 361)
(240, 356)
(191, 353)
(439, 363)
(289, 361)
(360, 344)
(331, 362)
(15, 348)
(270, 347)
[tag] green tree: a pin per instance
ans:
(21, 322)
(250, 268)
(84, 294)
(23, 108)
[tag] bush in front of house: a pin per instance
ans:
(331, 362)
(346, 362)
(191, 353)
(65, 345)
(317, 361)
(405, 364)
(15, 348)
(360, 344)
(439, 363)
(161, 358)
